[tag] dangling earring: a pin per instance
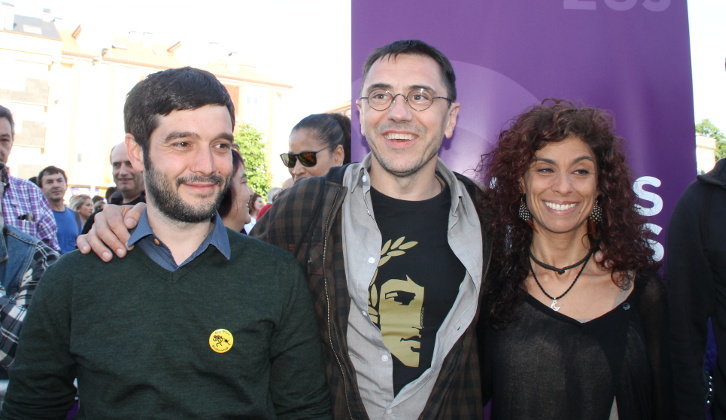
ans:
(596, 214)
(524, 213)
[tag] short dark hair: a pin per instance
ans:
(5, 113)
(415, 47)
(331, 129)
(109, 192)
(50, 170)
(170, 90)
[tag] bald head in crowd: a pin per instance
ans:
(129, 181)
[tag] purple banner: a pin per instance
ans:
(630, 57)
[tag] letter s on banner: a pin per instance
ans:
(657, 247)
(621, 5)
(652, 211)
(617, 5)
(657, 5)
(647, 195)
(579, 4)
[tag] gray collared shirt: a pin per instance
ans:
(144, 237)
(362, 246)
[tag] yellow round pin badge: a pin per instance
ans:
(221, 340)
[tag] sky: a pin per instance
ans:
(708, 58)
(303, 43)
(306, 43)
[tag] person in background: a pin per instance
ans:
(98, 206)
(54, 184)
(24, 204)
(129, 182)
(565, 337)
(23, 260)
(110, 191)
(234, 208)
(82, 204)
(695, 272)
(271, 196)
(99, 202)
(317, 143)
(198, 321)
(254, 204)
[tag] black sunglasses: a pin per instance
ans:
(307, 158)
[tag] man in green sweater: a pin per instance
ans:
(198, 321)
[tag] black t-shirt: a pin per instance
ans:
(546, 365)
(417, 280)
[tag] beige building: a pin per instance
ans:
(705, 153)
(66, 88)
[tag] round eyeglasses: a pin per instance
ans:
(307, 158)
(417, 99)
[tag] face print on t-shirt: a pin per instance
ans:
(396, 306)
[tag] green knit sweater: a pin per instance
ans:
(140, 339)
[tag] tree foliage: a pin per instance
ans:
(252, 146)
(708, 129)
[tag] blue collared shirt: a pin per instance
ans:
(143, 237)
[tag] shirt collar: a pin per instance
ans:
(217, 237)
(360, 175)
(362, 178)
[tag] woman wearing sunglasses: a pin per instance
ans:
(317, 143)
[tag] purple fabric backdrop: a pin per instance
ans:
(630, 57)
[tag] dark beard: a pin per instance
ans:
(161, 193)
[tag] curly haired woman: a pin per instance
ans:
(564, 336)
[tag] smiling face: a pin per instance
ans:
(189, 162)
(307, 140)
(241, 193)
(404, 141)
(129, 181)
(561, 186)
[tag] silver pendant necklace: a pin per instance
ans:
(554, 306)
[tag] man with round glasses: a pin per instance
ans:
(392, 247)
(393, 250)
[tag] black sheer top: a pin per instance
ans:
(545, 365)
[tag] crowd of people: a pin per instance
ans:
(387, 288)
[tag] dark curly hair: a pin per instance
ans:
(621, 235)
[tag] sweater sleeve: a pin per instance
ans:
(297, 381)
(691, 297)
(41, 378)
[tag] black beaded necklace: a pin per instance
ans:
(559, 270)
(554, 305)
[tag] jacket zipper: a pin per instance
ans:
(326, 231)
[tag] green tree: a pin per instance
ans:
(708, 129)
(252, 146)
